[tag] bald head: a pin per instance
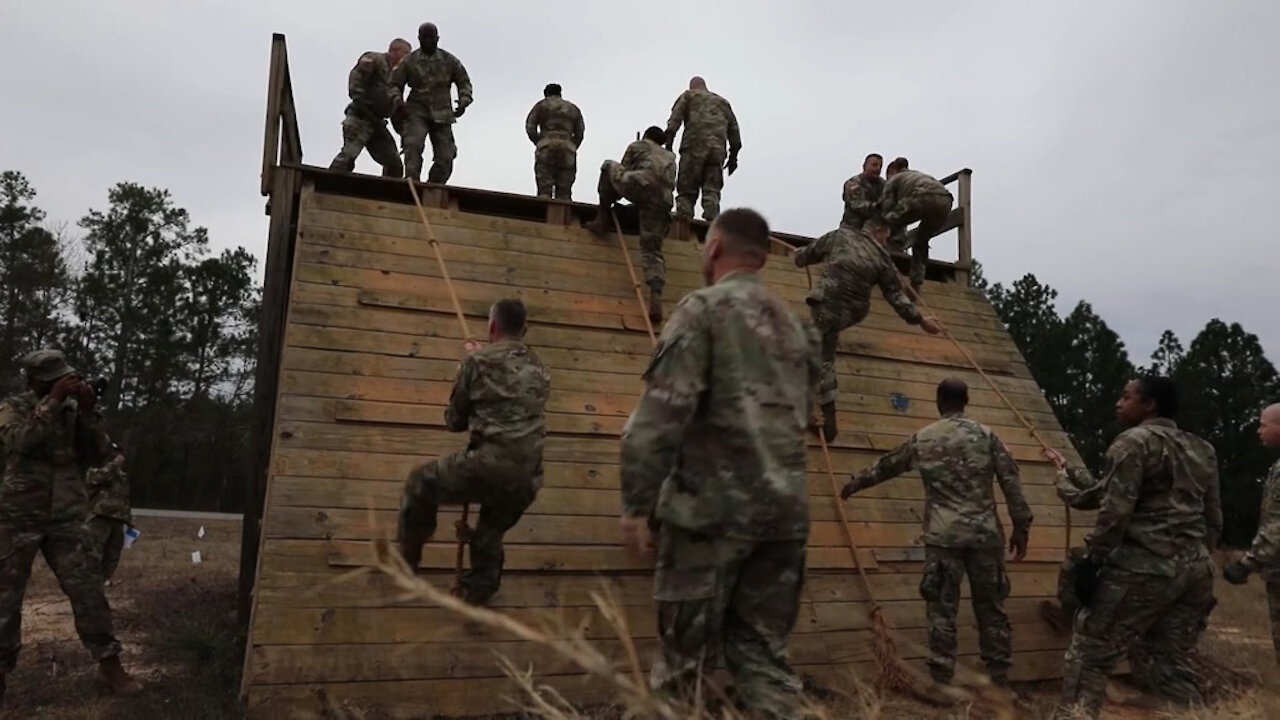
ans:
(428, 37)
(953, 396)
(697, 83)
(1269, 426)
(1272, 413)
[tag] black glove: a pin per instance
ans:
(410, 537)
(459, 110)
(1018, 541)
(1236, 573)
(1084, 577)
(732, 165)
(850, 488)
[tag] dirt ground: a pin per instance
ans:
(176, 620)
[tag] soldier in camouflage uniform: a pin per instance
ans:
(1264, 553)
(709, 123)
(51, 435)
(646, 176)
(909, 196)
(1146, 583)
(109, 512)
(555, 127)
(430, 72)
(861, 193)
(957, 458)
(714, 454)
(855, 261)
(373, 100)
(500, 396)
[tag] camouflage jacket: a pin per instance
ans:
(108, 488)
(708, 121)
(855, 263)
(429, 78)
(1160, 503)
(1264, 553)
(370, 89)
(957, 458)
(555, 119)
(47, 449)
(657, 166)
(500, 395)
(861, 200)
(717, 444)
(907, 184)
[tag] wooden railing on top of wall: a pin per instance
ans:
(282, 145)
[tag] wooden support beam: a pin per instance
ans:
(271, 134)
(965, 261)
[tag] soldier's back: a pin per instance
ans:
(508, 393)
(914, 182)
(707, 119)
(957, 465)
(558, 117)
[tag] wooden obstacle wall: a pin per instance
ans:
(369, 345)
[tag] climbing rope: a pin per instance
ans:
(462, 531)
(635, 281)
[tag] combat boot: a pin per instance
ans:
(113, 678)
(655, 305)
(829, 421)
(600, 226)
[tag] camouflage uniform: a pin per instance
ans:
(646, 177)
(909, 196)
(841, 297)
(373, 98)
(1160, 513)
(709, 123)
(500, 394)
(861, 200)
(430, 109)
(43, 505)
(109, 512)
(1264, 553)
(715, 453)
(555, 126)
(957, 458)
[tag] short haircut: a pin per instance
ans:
(867, 159)
(875, 222)
(1160, 390)
(401, 41)
(744, 230)
(655, 134)
(899, 163)
(953, 394)
(551, 89)
(510, 316)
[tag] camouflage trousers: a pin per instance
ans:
(1156, 619)
(654, 215)
(1273, 605)
(503, 487)
(736, 599)
(701, 169)
(555, 167)
(363, 133)
(932, 211)
(417, 127)
(107, 536)
(831, 314)
(944, 568)
(67, 551)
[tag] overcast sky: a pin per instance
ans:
(1122, 151)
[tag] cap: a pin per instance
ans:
(46, 365)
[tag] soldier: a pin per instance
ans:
(709, 123)
(862, 193)
(1264, 553)
(855, 261)
(715, 454)
(555, 127)
(646, 176)
(957, 458)
(500, 395)
(909, 196)
(373, 100)
(109, 512)
(430, 72)
(49, 434)
(1146, 582)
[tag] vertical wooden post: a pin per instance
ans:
(965, 261)
(271, 135)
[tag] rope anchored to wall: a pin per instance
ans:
(462, 530)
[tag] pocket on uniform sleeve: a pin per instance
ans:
(683, 584)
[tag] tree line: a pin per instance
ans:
(1081, 365)
(138, 298)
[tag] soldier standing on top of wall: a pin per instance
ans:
(709, 123)
(556, 129)
(909, 196)
(373, 100)
(430, 72)
(957, 457)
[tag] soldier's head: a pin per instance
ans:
(1145, 398)
(43, 368)
(1269, 426)
(697, 83)
(552, 90)
(877, 228)
(655, 134)
(428, 37)
(872, 164)
(397, 50)
(507, 320)
(738, 240)
(953, 396)
(898, 165)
